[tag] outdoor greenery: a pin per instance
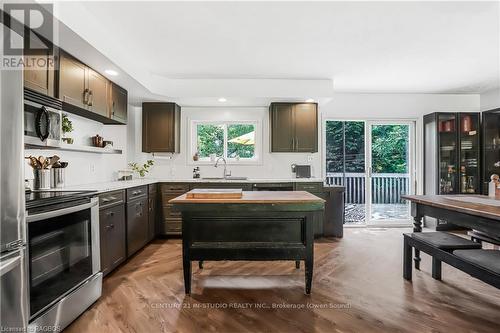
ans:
(211, 140)
(238, 149)
(389, 147)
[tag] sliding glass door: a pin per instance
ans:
(346, 165)
(374, 161)
(390, 171)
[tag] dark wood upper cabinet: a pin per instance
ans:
(282, 133)
(161, 127)
(73, 81)
(98, 99)
(294, 127)
(118, 103)
(40, 59)
(89, 94)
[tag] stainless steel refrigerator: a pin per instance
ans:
(13, 267)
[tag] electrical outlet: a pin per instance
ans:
(92, 167)
(310, 158)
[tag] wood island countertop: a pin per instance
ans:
(478, 205)
(257, 197)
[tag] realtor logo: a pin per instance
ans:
(28, 33)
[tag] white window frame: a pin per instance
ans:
(256, 160)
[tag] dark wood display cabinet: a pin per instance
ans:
(452, 153)
(491, 146)
(112, 230)
(161, 127)
(294, 127)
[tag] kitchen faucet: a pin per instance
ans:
(225, 166)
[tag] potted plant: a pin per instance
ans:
(67, 127)
(141, 169)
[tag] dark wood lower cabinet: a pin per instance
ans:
(137, 224)
(171, 221)
(112, 234)
(152, 211)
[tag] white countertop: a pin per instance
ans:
(124, 184)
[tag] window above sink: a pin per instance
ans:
(239, 142)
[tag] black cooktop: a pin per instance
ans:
(46, 198)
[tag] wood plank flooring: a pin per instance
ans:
(358, 287)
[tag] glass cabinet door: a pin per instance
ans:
(491, 154)
(448, 151)
(469, 172)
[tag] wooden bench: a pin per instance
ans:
(456, 251)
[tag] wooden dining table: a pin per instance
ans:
(476, 212)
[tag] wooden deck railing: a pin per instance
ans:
(387, 188)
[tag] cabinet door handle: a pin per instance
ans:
(113, 108)
(91, 98)
(111, 214)
(86, 96)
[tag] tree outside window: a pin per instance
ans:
(230, 140)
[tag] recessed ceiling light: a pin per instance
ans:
(111, 72)
(309, 100)
(222, 100)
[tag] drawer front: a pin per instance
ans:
(111, 198)
(309, 187)
(137, 192)
(172, 227)
(168, 212)
(152, 188)
(174, 188)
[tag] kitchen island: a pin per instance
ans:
(263, 225)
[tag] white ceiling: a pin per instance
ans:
(192, 50)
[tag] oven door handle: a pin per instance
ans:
(48, 215)
(9, 265)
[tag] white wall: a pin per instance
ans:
(84, 168)
(490, 99)
(277, 165)
(89, 168)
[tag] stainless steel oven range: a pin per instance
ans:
(63, 256)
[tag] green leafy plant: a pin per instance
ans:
(142, 169)
(66, 125)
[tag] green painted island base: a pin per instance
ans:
(233, 235)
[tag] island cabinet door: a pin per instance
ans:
(137, 225)
(113, 244)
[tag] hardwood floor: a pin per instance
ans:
(357, 280)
